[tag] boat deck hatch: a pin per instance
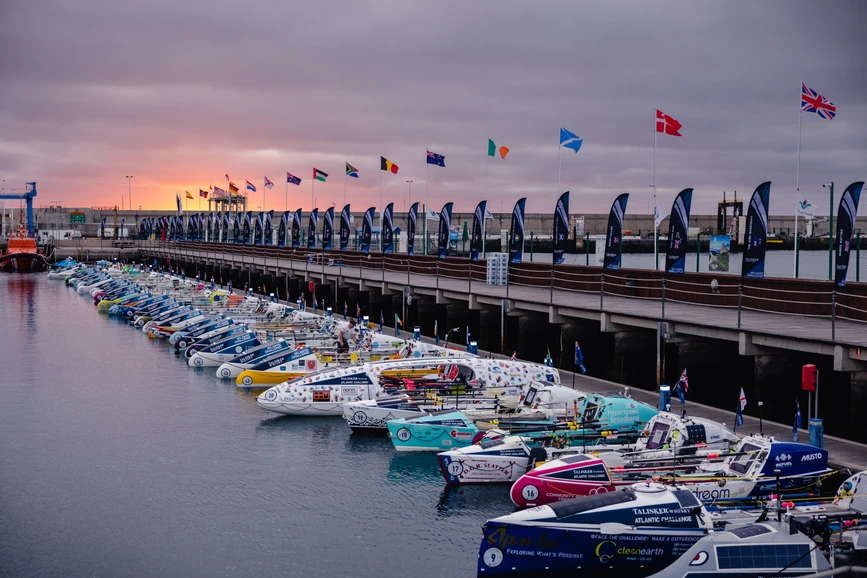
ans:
(585, 503)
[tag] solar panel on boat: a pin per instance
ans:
(576, 458)
(686, 499)
(585, 503)
(766, 556)
(750, 531)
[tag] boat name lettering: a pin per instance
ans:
(712, 494)
(811, 457)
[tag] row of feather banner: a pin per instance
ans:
(245, 229)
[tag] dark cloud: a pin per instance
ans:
(178, 93)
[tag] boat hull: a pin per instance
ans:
(517, 550)
(23, 263)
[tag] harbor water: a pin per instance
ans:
(117, 459)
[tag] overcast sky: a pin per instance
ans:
(178, 93)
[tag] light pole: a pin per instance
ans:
(830, 232)
(408, 194)
(129, 189)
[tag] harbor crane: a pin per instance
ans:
(27, 196)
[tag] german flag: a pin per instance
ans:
(387, 165)
(233, 187)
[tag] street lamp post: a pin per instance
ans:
(409, 193)
(129, 189)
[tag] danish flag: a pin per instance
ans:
(812, 101)
(667, 124)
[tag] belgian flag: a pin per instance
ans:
(387, 165)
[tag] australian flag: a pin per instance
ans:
(579, 358)
(292, 179)
(435, 159)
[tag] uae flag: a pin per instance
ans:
(319, 175)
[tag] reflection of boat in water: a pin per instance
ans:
(22, 255)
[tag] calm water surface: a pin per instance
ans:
(117, 459)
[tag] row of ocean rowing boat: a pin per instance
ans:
(602, 482)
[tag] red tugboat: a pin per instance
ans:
(21, 254)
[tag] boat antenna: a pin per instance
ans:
(779, 497)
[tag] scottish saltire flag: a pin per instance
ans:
(579, 358)
(805, 208)
(268, 183)
(292, 179)
(514, 356)
(250, 187)
(570, 140)
(435, 159)
(812, 101)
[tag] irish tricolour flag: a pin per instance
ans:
(319, 175)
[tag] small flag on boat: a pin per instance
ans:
(683, 379)
(251, 187)
(292, 179)
(397, 324)
(548, 361)
(351, 171)
(435, 159)
(319, 175)
(514, 356)
(436, 333)
(742, 403)
(468, 334)
(579, 358)
(345, 309)
(268, 183)
(797, 424)
(315, 302)
(381, 321)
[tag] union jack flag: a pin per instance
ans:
(812, 101)
(514, 356)
(684, 380)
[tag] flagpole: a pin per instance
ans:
(312, 190)
(559, 157)
(798, 183)
(380, 209)
(287, 194)
(424, 220)
(344, 188)
(655, 225)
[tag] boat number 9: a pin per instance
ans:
(455, 468)
(270, 395)
(493, 557)
(403, 434)
(530, 492)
